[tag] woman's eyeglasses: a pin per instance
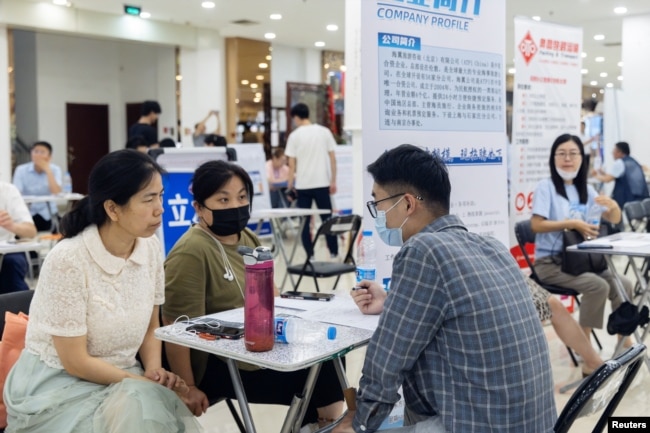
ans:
(564, 155)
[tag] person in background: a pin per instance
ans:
(561, 202)
(312, 170)
(95, 308)
(15, 220)
(630, 180)
(40, 177)
(204, 274)
(200, 131)
(149, 113)
(214, 140)
(167, 142)
(458, 331)
(137, 142)
(277, 173)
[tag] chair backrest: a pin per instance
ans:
(646, 206)
(635, 214)
(602, 390)
(14, 302)
(338, 225)
(525, 235)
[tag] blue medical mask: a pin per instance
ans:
(392, 237)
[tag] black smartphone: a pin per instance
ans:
(310, 296)
(226, 332)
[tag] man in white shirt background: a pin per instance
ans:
(14, 220)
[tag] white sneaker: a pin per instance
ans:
(309, 428)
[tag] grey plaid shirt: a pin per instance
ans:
(460, 333)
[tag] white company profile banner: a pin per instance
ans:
(546, 103)
(433, 77)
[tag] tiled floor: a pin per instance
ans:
(269, 418)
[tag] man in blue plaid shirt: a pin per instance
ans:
(458, 330)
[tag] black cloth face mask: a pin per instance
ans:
(226, 222)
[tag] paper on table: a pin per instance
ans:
(341, 310)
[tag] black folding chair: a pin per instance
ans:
(525, 235)
(602, 390)
(638, 218)
(335, 226)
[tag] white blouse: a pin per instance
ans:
(84, 290)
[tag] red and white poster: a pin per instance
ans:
(546, 104)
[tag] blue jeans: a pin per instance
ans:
(323, 201)
(12, 273)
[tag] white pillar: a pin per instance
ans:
(636, 69)
(353, 98)
(5, 137)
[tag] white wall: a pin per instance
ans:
(73, 69)
(5, 139)
(25, 85)
(636, 70)
(292, 64)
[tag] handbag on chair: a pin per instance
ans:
(576, 263)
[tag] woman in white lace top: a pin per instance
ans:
(95, 308)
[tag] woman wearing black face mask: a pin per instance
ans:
(204, 274)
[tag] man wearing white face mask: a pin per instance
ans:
(458, 330)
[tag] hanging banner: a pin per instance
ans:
(546, 104)
(433, 77)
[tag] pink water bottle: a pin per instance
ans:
(259, 329)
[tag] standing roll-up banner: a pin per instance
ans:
(546, 104)
(433, 76)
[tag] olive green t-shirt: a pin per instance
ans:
(195, 283)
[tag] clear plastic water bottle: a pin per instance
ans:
(594, 213)
(67, 183)
(259, 301)
(296, 330)
(366, 258)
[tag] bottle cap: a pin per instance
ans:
(367, 233)
(331, 333)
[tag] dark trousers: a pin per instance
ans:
(12, 273)
(267, 386)
(322, 198)
(42, 225)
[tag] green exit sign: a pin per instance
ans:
(132, 10)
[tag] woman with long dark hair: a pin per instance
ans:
(95, 308)
(561, 203)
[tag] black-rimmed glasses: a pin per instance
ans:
(372, 204)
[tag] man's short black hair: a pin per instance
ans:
(411, 169)
(215, 140)
(167, 142)
(624, 147)
(136, 141)
(149, 107)
(44, 144)
(301, 110)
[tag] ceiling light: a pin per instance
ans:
(259, 77)
(60, 2)
(207, 5)
(593, 95)
(619, 78)
(610, 85)
(599, 37)
(319, 44)
(268, 57)
(245, 82)
(145, 15)
(601, 91)
(179, 77)
(258, 95)
(537, 18)
(275, 16)
(269, 35)
(332, 27)
(343, 68)
(326, 66)
(254, 86)
(603, 74)
(584, 71)
(584, 54)
(237, 101)
(263, 65)
(599, 59)
(511, 71)
(620, 10)
(620, 64)
(593, 83)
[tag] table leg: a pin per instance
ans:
(293, 425)
(241, 395)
